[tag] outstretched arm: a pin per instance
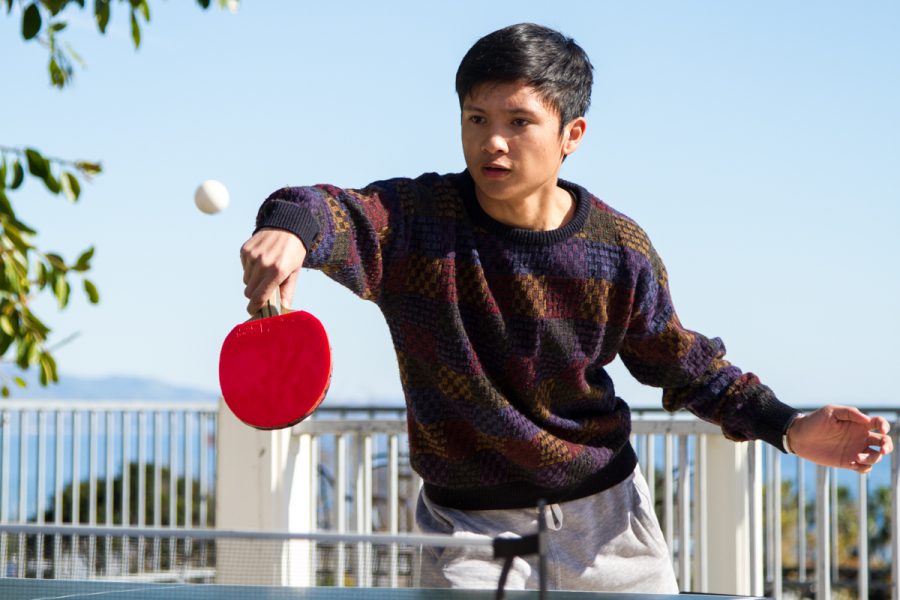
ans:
(840, 436)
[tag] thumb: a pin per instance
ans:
(287, 290)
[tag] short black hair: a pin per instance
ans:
(543, 58)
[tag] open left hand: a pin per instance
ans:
(841, 436)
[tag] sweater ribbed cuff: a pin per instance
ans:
(290, 217)
(774, 419)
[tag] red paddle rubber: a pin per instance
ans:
(274, 372)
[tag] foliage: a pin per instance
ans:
(26, 269)
(114, 505)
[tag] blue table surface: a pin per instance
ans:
(32, 589)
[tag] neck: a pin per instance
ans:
(538, 212)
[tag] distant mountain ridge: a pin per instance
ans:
(72, 387)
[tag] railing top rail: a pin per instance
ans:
(209, 406)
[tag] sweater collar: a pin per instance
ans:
(466, 187)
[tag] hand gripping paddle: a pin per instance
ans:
(274, 369)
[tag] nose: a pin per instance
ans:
(495, 143)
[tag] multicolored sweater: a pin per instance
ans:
(502, 335)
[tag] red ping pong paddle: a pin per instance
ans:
(274, 370)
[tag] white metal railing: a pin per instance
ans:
(356, 455)
(143, 464)
(802, 524)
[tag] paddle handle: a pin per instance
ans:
(272, 307)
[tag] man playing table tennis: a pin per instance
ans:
(507, 290)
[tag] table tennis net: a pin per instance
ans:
(184, 557)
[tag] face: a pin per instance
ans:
(512, 142)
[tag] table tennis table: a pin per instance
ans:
(48, 589)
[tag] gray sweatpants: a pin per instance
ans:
(609, 542)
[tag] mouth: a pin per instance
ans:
(495, 171)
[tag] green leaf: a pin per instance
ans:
(91, 291)
(61, 289)
(6, 326)
(57, 75)
(84, 261)
(101, 13)
(48, 368)
(37, 164)
(203, 3)
(5, 205)
(43, 275)
(57, 262)
(52, 183)
(23, 350)
(89, 168)
(135, 30)
(31, 21)
(18, 175)
(70, 186)
(5, 342)
(58, 26)
(20, 382)
(21, 245)
(4, 391)
(3, 172)
(145, 10)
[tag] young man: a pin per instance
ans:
(507, 290)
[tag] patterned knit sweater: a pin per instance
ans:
(502, 335)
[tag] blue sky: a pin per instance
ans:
(758, 143)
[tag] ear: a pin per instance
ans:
(573, 134)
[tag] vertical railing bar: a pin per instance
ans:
(801, 520)
(755, 521)
(126, 485)
(58, 491)
(203, 443)
(341, 500)
(142, 487)
(93, 449)
(41, 488)
(157, 487)
(23, 486)
(394, 504)
(313, 505)
(23, 469)
(833, 522)
(668, 528)
(364, 506)
(778, 582)
(110, 469)
(76, 470)
(188, 437)
(4, 485)
(684, 520)
(703, 518)
(823, 543)
(76, 477)
(173, 485)
(188, 470)
(863, 529)
(895, 515)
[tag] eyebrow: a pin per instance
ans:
(516, 110)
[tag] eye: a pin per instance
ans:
(520, 122)
(476, 119)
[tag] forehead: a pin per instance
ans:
(508, 97)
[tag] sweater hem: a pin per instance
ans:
(525, 495)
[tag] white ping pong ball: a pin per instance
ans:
(211, 197)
